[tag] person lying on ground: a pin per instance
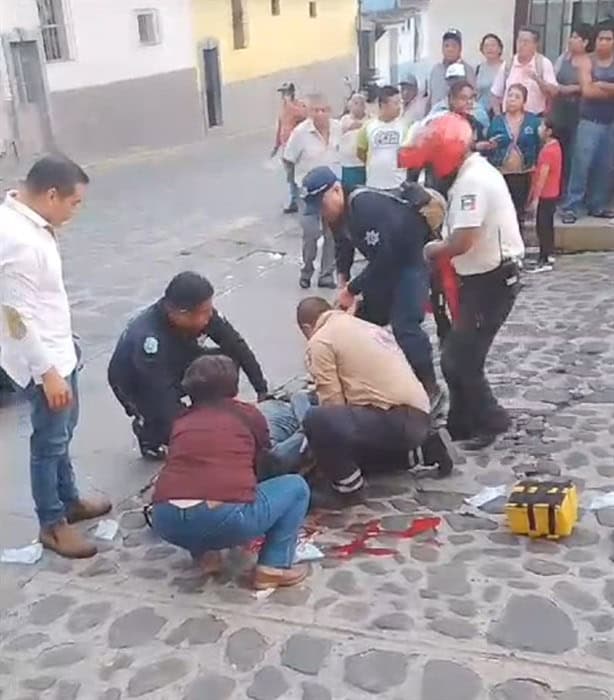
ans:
(207, 499)
(371, 406)
(156, 348)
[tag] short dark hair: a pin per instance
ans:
(210, 378)
(187, 290)
(531, 30)
(385, 93)
(521, 88)
(496, 38)
(551, 125)
(606, 26)
(457, 87)
(310, 309)
(586, 32)
(55, 172)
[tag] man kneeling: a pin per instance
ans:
(372, 407)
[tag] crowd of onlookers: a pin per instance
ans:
(549, 128)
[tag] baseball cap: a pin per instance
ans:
(187, 290)
(454, 34)
(316, 184)
(456, 70)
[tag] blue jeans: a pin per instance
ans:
(51, 472)
(406, 318)
(285, 421)
(277, 513)
(590, 168)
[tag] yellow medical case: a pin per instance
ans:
(543, 508)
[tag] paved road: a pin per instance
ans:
(467, 612)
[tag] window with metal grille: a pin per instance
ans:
(53, 29)
(555, 20)
(313, 8)
(239, 24)
(275, 7)
(148, 27)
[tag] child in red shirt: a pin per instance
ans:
(545, 192)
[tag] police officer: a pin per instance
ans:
(485, 246)
(150, 359)
(390, 233)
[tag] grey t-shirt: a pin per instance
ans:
(438, 86)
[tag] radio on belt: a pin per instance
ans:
(543, 508)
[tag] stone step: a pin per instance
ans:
(587, 234)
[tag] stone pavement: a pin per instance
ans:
(468, 612)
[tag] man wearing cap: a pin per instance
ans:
(315, 142)
(484, 243)
(157, 346)
(291, 113)
(390, 233)
(452, 49)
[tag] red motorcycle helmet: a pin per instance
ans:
(442, 144)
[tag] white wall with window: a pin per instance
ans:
(96, 42)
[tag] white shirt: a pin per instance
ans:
(381, 141)
(349, 144)
(308, 150)
(35, 326)
(479, 198)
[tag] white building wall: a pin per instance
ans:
(105, 48)
(474, 19)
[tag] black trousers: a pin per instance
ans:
(344, 437)
(519, 185)
(545, 227)
(485, 303)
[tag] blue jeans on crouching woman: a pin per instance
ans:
(277, 513)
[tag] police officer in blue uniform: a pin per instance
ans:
(152, 354)
(387, 227)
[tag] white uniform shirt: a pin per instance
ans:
(382, 140)
(308, 150)
(35, 326)
(479, 198)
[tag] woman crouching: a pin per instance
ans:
(207, 497)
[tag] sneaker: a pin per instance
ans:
(569, 217)
(439, 451)
(542, 266)
(550, 260)
(268, 577)
(304, 283)
(327, 284)
(292, 208)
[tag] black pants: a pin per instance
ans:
(344, 437)
(485, 302)
(545, 227)
(519, 185)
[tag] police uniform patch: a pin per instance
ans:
(14, 321)
(468, 202)
(150, 346)
(372, 237)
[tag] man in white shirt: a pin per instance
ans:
(313, 143)
(37, 350)
(484, 243)
(379, 141)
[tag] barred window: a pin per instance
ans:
(53, 29)
(148, 27)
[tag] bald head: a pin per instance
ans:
(318, 109)
(309, 311)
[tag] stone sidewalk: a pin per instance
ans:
(467, 612)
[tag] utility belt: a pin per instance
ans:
(507, 272)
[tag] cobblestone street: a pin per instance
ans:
(467, 612)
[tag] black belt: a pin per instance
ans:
(507, 269)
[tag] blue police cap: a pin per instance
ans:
(316, 184)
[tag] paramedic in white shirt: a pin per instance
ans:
(379, 141)
(484, 243)
(37, 350)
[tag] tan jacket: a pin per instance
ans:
(356, 363)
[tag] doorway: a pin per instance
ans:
(30, 99)
(212, 88)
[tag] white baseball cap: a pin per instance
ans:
(456, 70)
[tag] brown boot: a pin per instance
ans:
(268, 577)
(67, 541)
(88, 509)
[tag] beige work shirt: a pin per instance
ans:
(359, 364)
